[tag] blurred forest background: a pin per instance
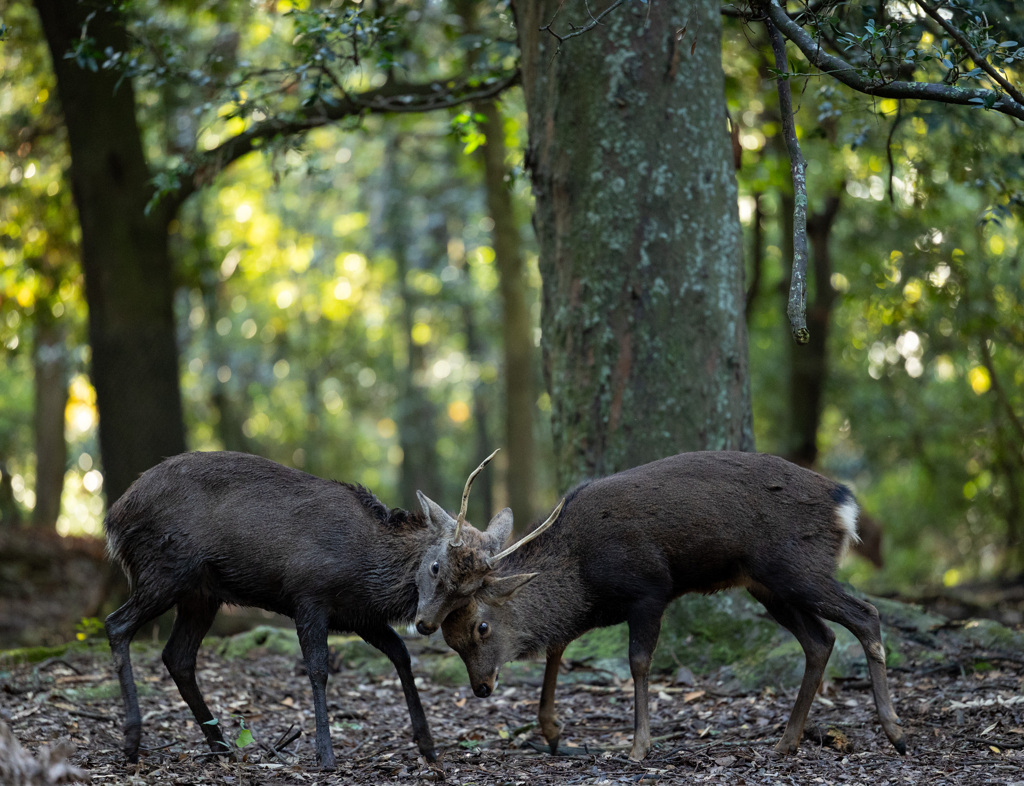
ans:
(303, 230)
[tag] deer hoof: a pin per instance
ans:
(553, 744)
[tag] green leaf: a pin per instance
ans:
(244, 738)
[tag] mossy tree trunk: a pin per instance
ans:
(125, 255)
(644, 341)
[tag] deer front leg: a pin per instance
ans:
(644, 627)
(549, 725)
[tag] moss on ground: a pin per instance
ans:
(280, 641)
(31, 654)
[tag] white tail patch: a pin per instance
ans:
(846, 518)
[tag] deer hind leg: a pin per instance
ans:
(192, 621)
(644, 627)
(311, 626)
(390, 643)
(816, 639)
(861, 619)
(549, 725)
(121, 627)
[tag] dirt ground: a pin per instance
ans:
(962, 718)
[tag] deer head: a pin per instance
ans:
(462, 559)
(484, 632)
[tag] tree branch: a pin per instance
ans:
(390, 98)
(842, 71)
(796, 310)
(976, 56)
(594, 22)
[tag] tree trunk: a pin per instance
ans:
(481, 503)
(415, 414)
(125, 255)
(51, 396)
(808, 370)
(10, 515)
(516, 330)
(645, 349)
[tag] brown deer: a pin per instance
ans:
(625, 545)
(203, 529)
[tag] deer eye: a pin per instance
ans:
(483, 628)
(435, 568)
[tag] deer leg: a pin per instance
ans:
(861, 619)
(549, 725)
(816, 639)
(312, 629)
(121, 627)
(644, 627)
(192, 620)
(390, 643)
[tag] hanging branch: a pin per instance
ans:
(796, 310)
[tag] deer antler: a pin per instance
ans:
(491, 561)
(455, 540)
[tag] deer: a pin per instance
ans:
(618, 549)
(204, 529)
(454, 568)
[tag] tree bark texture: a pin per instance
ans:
(125, 255)
(516, 327)
(644, 341)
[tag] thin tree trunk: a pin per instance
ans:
(51, 396)
(809, 362)
(645, 349)
(481, 503)
(125, 255)
(415, 413)
(10, 515)
(516, 327)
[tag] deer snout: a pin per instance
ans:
(482, 690)
(485, 687)
(424, 627)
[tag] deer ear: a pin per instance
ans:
(435, 514)
(497, 590)
(499, 529)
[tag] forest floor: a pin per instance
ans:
(958, 687)
(963, 718)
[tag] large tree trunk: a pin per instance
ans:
(516, 330)
(645, 350)
(125, 255)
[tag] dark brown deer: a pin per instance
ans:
(626, 545)
(203, 529)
